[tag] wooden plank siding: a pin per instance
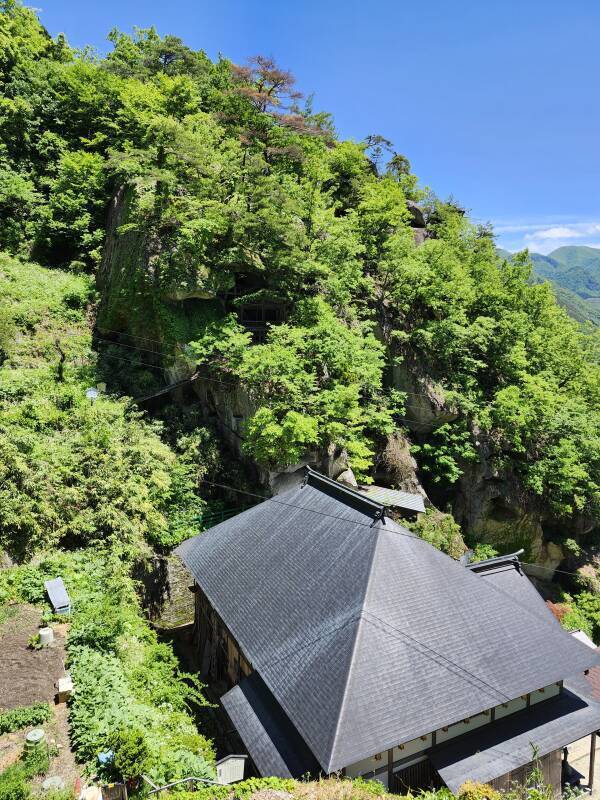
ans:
(416, 777)
(219, 654)
(550, 767)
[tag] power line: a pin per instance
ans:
(549, 569)
(311, 510)
(345, 519)
(132, 335)
(136, 363)
(426, 647)
(132, 347)
(471, 677)
(170, 355)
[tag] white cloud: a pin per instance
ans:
(556, 233)
(544, 238)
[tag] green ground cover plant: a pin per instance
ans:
(125, 679)
(24, 717)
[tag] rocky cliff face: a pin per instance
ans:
(490, 504)
(228, 407)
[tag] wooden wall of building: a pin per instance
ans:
(550, 767)
(220, 656)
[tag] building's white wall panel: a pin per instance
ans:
(366, 765)
(415, 747)
(546, 693)
(511, 707)
(468, 725)
(412, 747)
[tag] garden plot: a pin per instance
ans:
(28, 676)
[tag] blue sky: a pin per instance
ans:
(495, 102)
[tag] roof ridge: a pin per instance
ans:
(320, 481)
(511, 559)
(361, 619)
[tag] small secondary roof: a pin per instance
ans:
(366, 635)
(496, 749)
(268, 734)
(394, 498)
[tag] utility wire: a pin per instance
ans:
(366, 525)
(311, 510)
(133, 347)
(386, 626)
(170, 355)
(549, 569)
(137, 363)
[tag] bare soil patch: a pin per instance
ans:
(28, 676)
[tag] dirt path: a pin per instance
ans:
(579, 757)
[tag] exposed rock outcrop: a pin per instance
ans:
(164, 586)
(396, 467)
(425, 404)
(492, 505)
(228, 406)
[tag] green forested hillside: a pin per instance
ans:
(570, 286)
(228, 186)
(165, 217)
(575, 268)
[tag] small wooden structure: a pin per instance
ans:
(231, 769)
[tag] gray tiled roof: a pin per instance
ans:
(508, 577)
(275, 745)
(496, 749)
(366, 635)
(394, 498)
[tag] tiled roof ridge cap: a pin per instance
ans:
(510, 559)
(320, 481)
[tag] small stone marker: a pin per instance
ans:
(35, 739)
(46, 636)
(65, 687)
(53, 783)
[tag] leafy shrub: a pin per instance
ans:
(132, 756)
(369, 788)
(583, 613)
(14, 783)
(482, 551)
(472, 790)
(441, 531)
(243, 790)
(36, 761)
(24, 717)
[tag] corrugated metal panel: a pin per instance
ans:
(366, 635)
(394, 498)
(508, 745)
(58, 594)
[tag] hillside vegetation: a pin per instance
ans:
(231, 183)
(147, 198)
(575, 268)
(572, 284)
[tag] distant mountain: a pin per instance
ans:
(575, 273)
